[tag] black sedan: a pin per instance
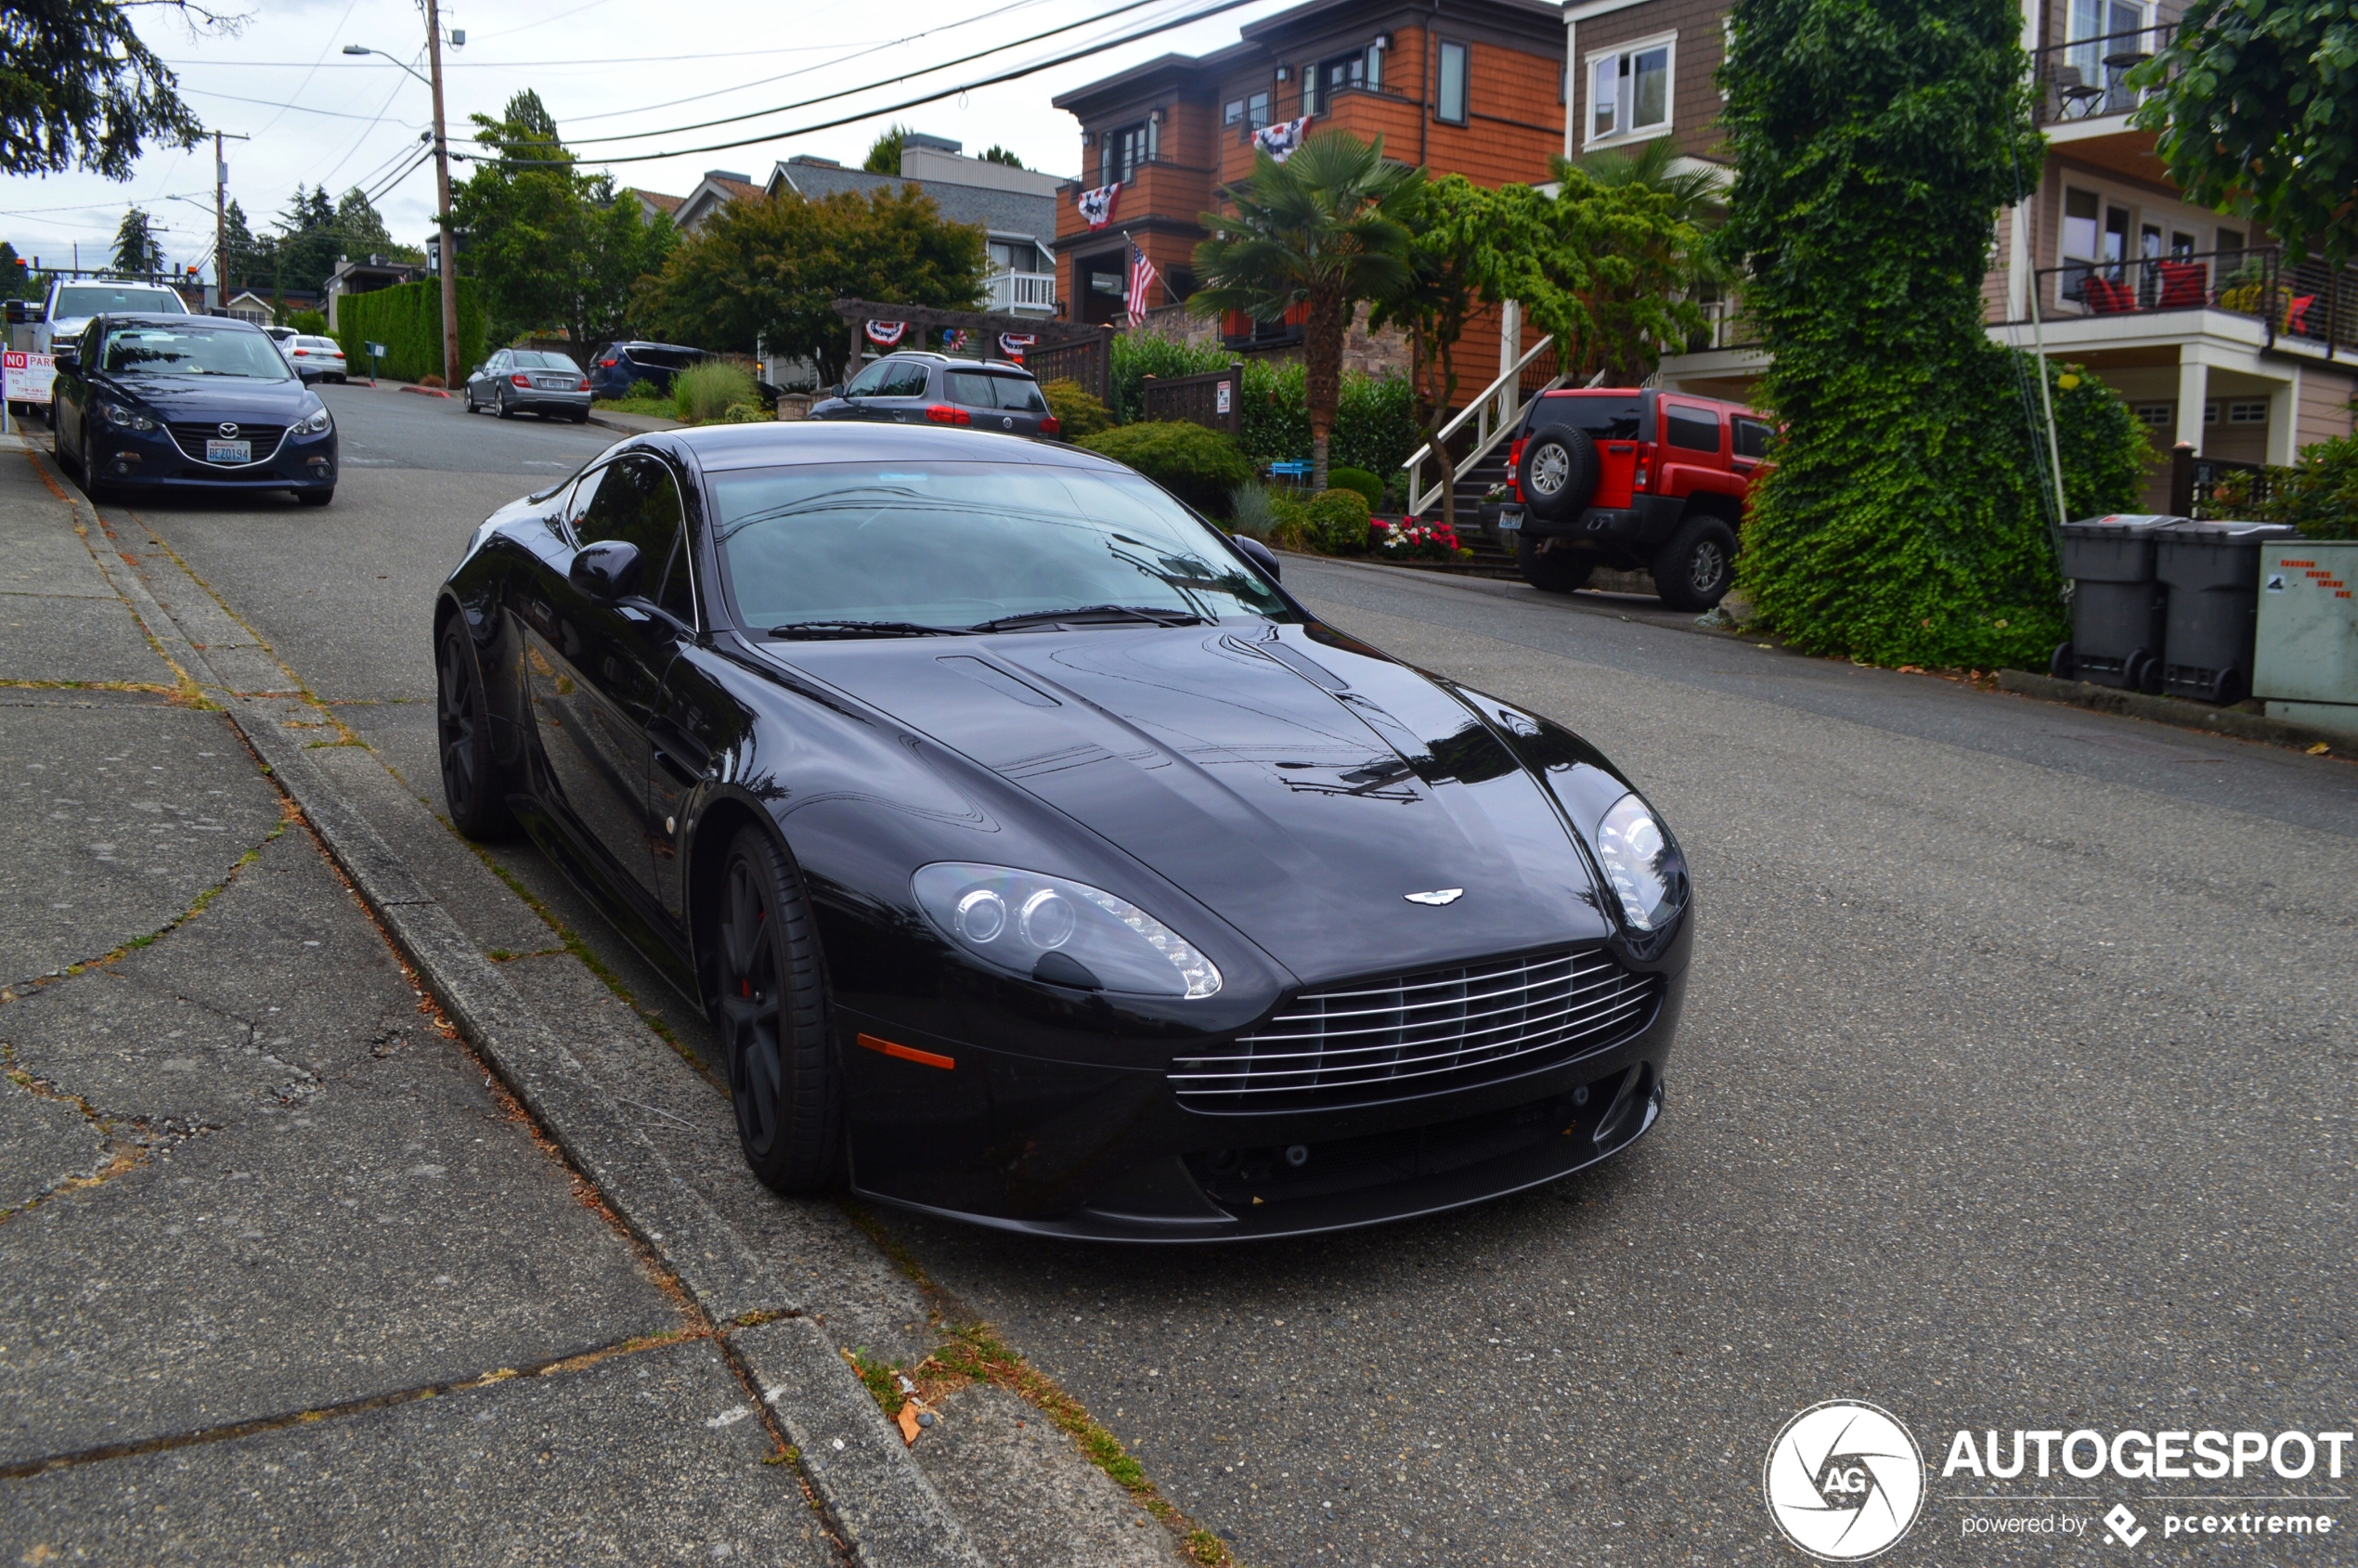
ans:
(147, 403)
(1041, 862)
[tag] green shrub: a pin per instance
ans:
(1275, 418)
(1375, 425)
(2319, 497)
(1201, 467)
(1077, 409)
(407, 318)
(1357, 479)
(1251, 511)
(1338, 523)
(702, 393)
(1137, 356)
(308, 321)
(745, 413)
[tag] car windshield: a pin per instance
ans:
(953, 545)
(77, 300)
(535, 360)
(179, 351)
(315, 343)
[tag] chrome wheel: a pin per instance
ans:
(1550, 467)
(1707, 566)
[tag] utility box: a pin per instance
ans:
(2305, 669)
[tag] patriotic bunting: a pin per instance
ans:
(884, 334)
(1096, 207)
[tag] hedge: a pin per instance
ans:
(1201, 467)
(1375, 420)
(407, 318)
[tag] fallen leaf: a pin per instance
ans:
(2320, 749)
(908, 1420)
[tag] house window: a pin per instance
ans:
(2161, 416)
(1232, 112)
(1450, 102)
(1336, 75)
(1123, 149)
(2248, 413)
(1014, 255)
(1629, 90)
(2231, 241)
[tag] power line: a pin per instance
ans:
(1126, 5)
(1013, 75)
(283, 108)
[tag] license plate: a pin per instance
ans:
(228, 451)
(1510, 520)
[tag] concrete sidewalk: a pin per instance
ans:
(284, 1274)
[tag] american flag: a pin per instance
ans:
(1142, 283)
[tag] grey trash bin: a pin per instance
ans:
(2212, 573)
(2115, 603)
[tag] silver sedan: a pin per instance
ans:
(517, 381)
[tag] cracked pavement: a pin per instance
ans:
(284, 1275)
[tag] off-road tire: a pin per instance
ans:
(769, 1002)
(1558, 472)
(1559, 571)
(1695, 568)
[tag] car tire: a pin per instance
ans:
(1559, 571)
(1694, 570)
(471, 402)
(499, 407)
(581, 418)
(1558, 472)
(474, 785)
(770, 1000)
(315, 498)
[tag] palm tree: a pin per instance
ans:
(1698, 192)
(1326, 229)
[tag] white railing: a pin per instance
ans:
(1494, 413)
(1022, 292)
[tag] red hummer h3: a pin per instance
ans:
(1625, 477)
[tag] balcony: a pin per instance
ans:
(2301, 308)
(2087, 79)
(1020, 293)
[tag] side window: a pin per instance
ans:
(1690, 428)
(864, 384)
(661, 513)
(908, 378)
(1752, 437)
(637, 502)
(585, 492)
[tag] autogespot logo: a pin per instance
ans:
(1843, 1481)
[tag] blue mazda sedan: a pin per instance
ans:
(153, 403)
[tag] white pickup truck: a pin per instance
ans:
(73, 301)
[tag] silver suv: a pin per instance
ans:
(996, 394)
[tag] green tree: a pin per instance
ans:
(554, 248)
(137, 252)
(883, 153)
(997, 154)
(1624, 257)
(1329, 229)
(16, 277)
(304, 248)
(79, 88)
(769, 269)
(359, 228)
(1874, 142)
(2257, 106)
(248, 261)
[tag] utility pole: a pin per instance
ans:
(221, 219)
(442, 202)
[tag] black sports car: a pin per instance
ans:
(187, 403)
(1041, 861)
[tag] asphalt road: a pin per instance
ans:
(2013, 1093)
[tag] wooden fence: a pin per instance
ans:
(1088, 364)
(1215, 399)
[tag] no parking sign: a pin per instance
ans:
(26, 376)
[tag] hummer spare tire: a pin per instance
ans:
(1558, 472)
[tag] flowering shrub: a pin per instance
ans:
(1411, 540)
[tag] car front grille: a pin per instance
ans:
(1421, 1034)
(191, 435)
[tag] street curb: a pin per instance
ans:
(423, 390)
(2184, 715)
(890, 1514)
(606, 422)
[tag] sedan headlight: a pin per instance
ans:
(318, 424)
(1648, 874)
(1066, 932)
(125, 419)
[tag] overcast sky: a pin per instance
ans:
(604, 68)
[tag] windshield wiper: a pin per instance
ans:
(1109, 613)
(821, 629)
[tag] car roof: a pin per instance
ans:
(1004, 366)
(770, 445)
(178, 323)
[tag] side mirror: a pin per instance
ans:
(65, 356)
(1258, 554)
(606, 571)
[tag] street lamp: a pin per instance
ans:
(450, 258)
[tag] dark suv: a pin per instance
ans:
(1624, 477)
(935, 389)
(619, 366)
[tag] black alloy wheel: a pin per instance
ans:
(472, 785)
(1694, 571)
(1557, 571)
(770, 1004)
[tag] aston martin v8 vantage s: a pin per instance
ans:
(1041, 861)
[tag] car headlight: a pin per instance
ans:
(1648, 874)
(125, 419)
(318, 424)
(1048, 927)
